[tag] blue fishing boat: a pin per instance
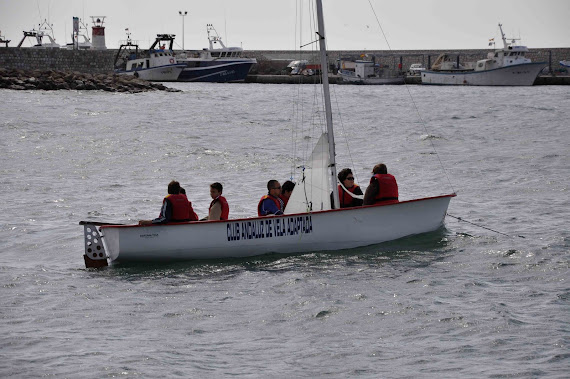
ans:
(215, 64)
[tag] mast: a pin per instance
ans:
(327, 98)
(503, 37)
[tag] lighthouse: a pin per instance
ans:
(98, 33)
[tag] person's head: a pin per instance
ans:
(273, 187)
(173, 188)
(380, 168)
(346, 177)
(182, 191)
(216, 190)
(287, 188)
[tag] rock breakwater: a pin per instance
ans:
(66, 80)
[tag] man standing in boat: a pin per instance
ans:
(175, 207)
(271, 204)
(383, 188)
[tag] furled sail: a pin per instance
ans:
(312, 191)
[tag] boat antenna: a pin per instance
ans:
(414, 103)
(327, 99)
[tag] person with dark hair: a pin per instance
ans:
(383, 188)
(271, 204)
(286, 191)
(192, 216)
(175, 207)
(219, 208)
(348, 186)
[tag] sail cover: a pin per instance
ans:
(312, 191)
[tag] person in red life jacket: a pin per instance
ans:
(271, 204)
(175, 207)
(219, 208)
(346, 177)
(383, 188)
(286, 191)
(192, 216)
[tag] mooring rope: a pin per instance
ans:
(484, 227)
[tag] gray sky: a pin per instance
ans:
(272, 24)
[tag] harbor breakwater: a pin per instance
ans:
(269, 62)
(18, 79)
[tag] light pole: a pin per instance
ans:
(183, 15)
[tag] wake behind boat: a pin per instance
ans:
(503, 67)
(312, 219)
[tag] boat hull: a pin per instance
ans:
(217, 71)
(516, 75)
(296, 233)
(353, 79)
(167, 73)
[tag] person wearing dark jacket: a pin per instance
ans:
(175, 207)
(383, 188)
(271, 204)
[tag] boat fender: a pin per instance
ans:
(171, 60)
(136, 74)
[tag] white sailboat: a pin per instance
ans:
(311, 222)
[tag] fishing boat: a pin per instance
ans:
(80, 38)
(312, 219)
(503, 67)
(367, 72)
(215, 64)
(158, 64)
(44, 31)
(565, 63)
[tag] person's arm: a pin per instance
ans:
(370, 193)
(192, 216)
(215, 211)
(165, 213)
(357, 202)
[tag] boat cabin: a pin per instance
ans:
(156, 58)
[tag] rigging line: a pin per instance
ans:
(481, 226)
(344, 133)
(414, 103)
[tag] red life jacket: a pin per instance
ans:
(278, 202)
(192, 216)
(225, 207)
(180, 207)
(387, 188)
(285, 200)
(345, 199)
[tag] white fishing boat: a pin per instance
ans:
(45, 31)
(367, 72)
(81, 40)
(565, 63)
(159, 64)
(215, 64)
(503, 67)
(311, 222)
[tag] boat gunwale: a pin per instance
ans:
(264, 217)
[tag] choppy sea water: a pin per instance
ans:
(460, 302)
